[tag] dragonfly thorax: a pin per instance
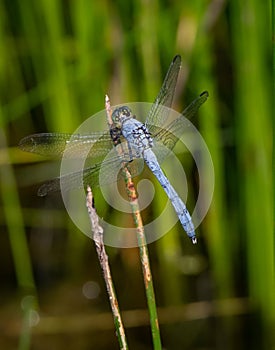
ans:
(137, 134)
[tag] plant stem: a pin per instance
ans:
(103, 259)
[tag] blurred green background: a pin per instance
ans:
(58, 60)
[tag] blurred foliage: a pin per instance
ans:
(58, 59)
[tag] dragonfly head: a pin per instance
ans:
(120, 114)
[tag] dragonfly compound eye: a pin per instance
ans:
(126, 111)
(116, 116)
(120, 114)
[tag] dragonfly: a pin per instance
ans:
(127, 141)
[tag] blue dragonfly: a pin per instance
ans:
(126, 143)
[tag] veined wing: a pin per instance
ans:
(98, 174)
(169, 135)
(77, 146)
(165, 96)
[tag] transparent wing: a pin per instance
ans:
(108, 171)
(157, 115)
(76, 145)
(169, 135)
